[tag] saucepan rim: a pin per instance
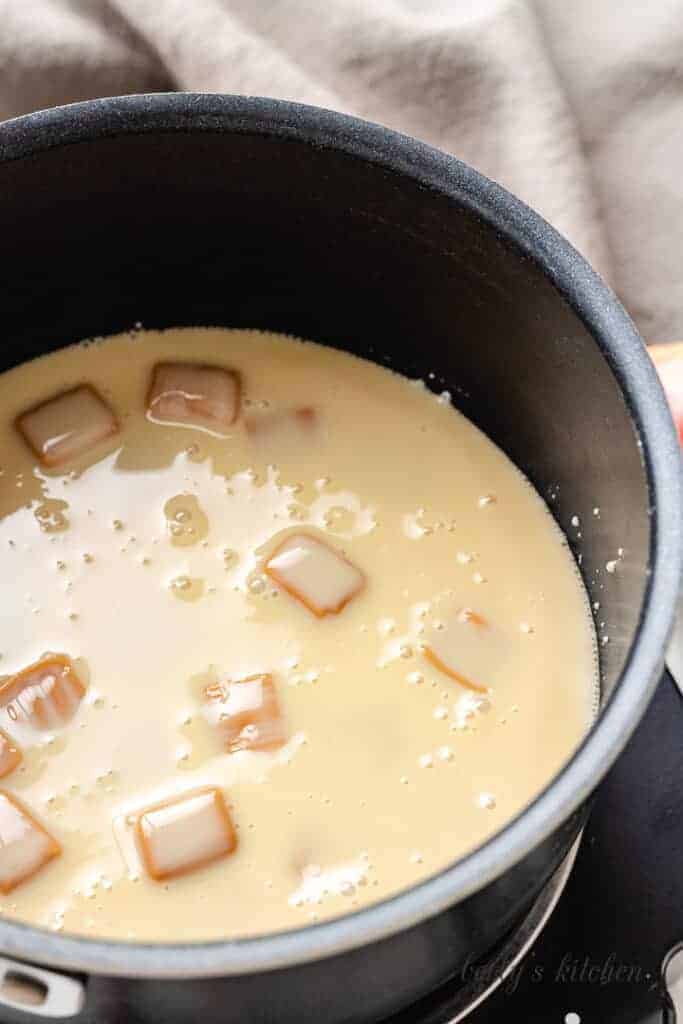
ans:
(621, 346)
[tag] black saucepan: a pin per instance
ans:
(192, 209)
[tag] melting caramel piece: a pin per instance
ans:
(25, 846)
(442, 666)
(193, 393)
(68, 425)
(452, 644)
(282, 427)
(315, 574)
(10, 755)
(247, 713)
(46, 694)
(185, 834)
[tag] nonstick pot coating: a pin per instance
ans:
(183, 209)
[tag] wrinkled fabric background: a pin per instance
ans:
(575, 105)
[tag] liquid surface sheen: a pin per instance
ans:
(143, 561)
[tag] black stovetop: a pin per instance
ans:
(599, 958)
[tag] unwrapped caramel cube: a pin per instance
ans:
(45, 695)
(194, 394)
(465, 640)
(185, 834)
(25, 846)
(68, 425)
(315, 574)
(10, 755)
(246, 713)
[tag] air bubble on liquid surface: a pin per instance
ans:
(413, 524)
(187, 588)
(395, 649)
(342, 513)
(257, 584)
(339, 518)
(186, 521)
(51, 515)
(229, 558)
(467, 707)
(487, 801)
(339, 879)
(296, 512)
(406, 645)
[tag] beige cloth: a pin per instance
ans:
(576, 105)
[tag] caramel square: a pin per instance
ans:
(194, 394)
(247, 713)
(466, 633)
(315, 574)
(185, 834)
(68, 425)
(46, 694)
(25, 846)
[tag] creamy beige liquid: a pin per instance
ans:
(391, 769)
